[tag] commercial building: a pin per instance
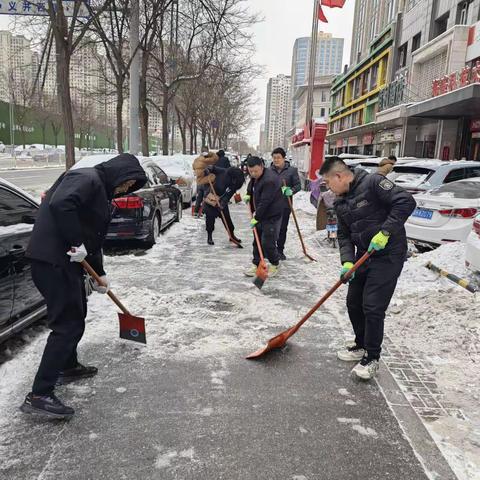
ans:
(277, 111)
(414, 92)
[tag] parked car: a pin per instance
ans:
(472, 255)
(20, 302)
(444, 214)
(2, 147)
(423, 175)
(179, 168)
(144, 214)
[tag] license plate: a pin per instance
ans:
(423, 213)
(332, 228)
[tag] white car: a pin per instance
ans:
(444, 214)
(179, 168)
(2, 147)
(472, 255)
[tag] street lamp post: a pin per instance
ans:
(134, 140)
(312, 62)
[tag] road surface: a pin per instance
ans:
(32, 180)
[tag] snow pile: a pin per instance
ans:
(302, 202)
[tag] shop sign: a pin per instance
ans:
(339, 143)
(476, 135)
(475, 125)
(391, 136)
(455, 80)
(473, 44)
(353, 141)
(393, 94)
(368, 139)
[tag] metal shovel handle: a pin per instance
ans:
(97, 278)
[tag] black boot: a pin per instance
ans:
(48, 405)
(236, 239)
(77, 373)
(282, 256)
(210, 239)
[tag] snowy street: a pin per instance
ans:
(188, 406)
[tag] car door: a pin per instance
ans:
(6, 278)
(17, 218)
(168, 202)
(172, 193)
(161, 199)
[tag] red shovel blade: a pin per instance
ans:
(132, 328)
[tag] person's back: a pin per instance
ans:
(267, 195)
(223, 161)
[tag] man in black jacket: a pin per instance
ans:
(227, 182)
(290, 183)
(71, 226)
(223, 161)
(371, 212)
(264, 194)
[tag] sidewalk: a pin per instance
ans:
(188, 406)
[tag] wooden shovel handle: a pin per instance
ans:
(255, 234)
(97, 278)
(290, 203)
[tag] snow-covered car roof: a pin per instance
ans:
(434, 164)
(93, 160)
(174, 166)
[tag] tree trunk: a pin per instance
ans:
(195, 129)
(63, 82)
(182, 125)
(119, 113)
(143, 105)
(192, 139)
(165, 123)
(44, 134)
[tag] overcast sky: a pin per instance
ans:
(285, 21)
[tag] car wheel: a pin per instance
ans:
(178, 217)
(154, 230)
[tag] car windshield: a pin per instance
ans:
(413, 176)
(458, 190)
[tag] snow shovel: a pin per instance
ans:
(224, 220)
(261, 274)
(280, 340)
(298, 228)
(131, 327)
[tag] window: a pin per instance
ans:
(402, 55)
(373, 77)
(462, 12)
(473, 172)
(454, 175)
(322, 112)
(416, 41)
(440, 25)
(162, 176)
(14, 209)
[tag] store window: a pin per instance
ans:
(416, 42)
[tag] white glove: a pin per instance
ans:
(78, 254)
(100, 288)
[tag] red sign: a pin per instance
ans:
(353, 141)
(456, 80)
(475, 125)
(368, 139)
(339, 143)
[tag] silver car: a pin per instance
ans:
(422, 175)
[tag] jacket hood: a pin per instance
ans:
(236, 176)
(120, 169)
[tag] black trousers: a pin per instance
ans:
(268, 231)
(211, 213)
(64, 291)
(282, 236)
(369, 295)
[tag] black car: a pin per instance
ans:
(20, 302)
(145, 213)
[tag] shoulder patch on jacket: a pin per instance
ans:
(386, 184)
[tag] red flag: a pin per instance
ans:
(321, 15)
(333, 3)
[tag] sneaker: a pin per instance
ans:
(351, 353)
(48, 405)
(236, 239)
(77, 373)
(273, 270)
(367, 368)
(282, 256)
(251, 271)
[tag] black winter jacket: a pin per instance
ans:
(267, 197)
(372, 204)
(77, 210)
(224, 184)
(288, 174)
(223, 162)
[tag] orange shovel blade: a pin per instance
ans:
(274, 343)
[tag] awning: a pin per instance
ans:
(464, 102)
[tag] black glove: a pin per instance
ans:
(208, 170)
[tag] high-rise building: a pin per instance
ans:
(261, 144)
(329, 62)
(276, 115)
(15, 64)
